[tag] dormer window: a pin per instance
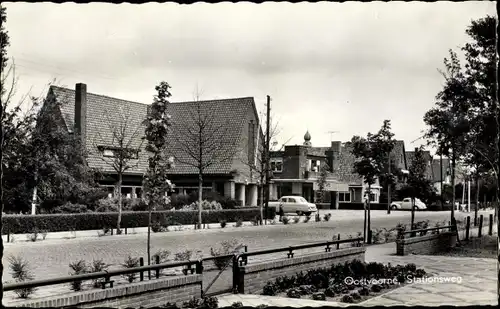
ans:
(108, 153)
(277, 165)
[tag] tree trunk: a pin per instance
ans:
(368, 225)
(119, 186)
(149, 238)
(477, 199)
(453, 165)
(412, 220)
(389, 182)
(200, 198)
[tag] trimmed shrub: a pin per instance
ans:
(20, 271)
(285, 220)
(96, 267)
(239, 223)
(296, 219)
(17, 224)
(223, 223)
(70, 208)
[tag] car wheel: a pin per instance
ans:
(307, 213)
(299, 213)
(394, 207)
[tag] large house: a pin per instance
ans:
(95, 117)
(296, 171)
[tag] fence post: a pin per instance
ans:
(141, 274)
(490, 230)
(199, 267)
(480, 231)
(338, 244)
(125, 231)
(467, 227)
(8, 235)
(290, 253)
(370, 237)
(246, 248)
(158, 270)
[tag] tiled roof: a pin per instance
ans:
(398, 154)
(410, 155)
(345, 172)
(228, 111)
(436, 166)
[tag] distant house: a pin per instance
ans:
(435, 172)
(296, 171)
(80, 111)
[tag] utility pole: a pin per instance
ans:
(389, 188)
(441, 170)
(267, 151)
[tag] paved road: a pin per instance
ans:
(50, 258)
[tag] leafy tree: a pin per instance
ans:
(448, 124)
(480, 71)
(156, 183)
(371, 155)
(58, 167)
(203, 142)
(121, 152)
(258, 167)
(464, 122)
(322, 182)
(418, 185)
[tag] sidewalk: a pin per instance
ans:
(477, 286)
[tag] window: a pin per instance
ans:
(372, 197)
(108, 153)
(276, 165)
(292, 200)
(302, 200)
(344, 196)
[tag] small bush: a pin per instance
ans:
(95, 267)
(307, 218)
(225, 248)
(272, 222)
(20, 271)
(239, 223)
(347, 299)
(296, 219)
(33, 237)
(355, 296)
(183, 255)
(79, 268)
(44, 234)
(70, 208)
(130, 263)
(293, 293)
(377, 236)
(170, 306)
(269, 289)
(255, 221)
(163, 255)
(327, 217)
(285, 220)
(237, 304)
(223, 223)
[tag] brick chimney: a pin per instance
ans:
(81, 111)
(335, 155)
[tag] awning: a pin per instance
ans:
(333, 186)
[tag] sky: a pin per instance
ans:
(343, 67)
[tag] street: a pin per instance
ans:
(50, 258)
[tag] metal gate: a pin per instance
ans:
(218, 273)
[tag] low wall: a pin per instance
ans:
(141, 294)
(252, 278)
(427, 244)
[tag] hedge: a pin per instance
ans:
(14, 224)
(358, 206)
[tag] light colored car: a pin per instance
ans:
(406, 204)
(294, 204)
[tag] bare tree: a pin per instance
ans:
(258, 166)
(203, 141)
(119, 148)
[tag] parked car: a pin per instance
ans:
(406, 204)
(294, 204)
